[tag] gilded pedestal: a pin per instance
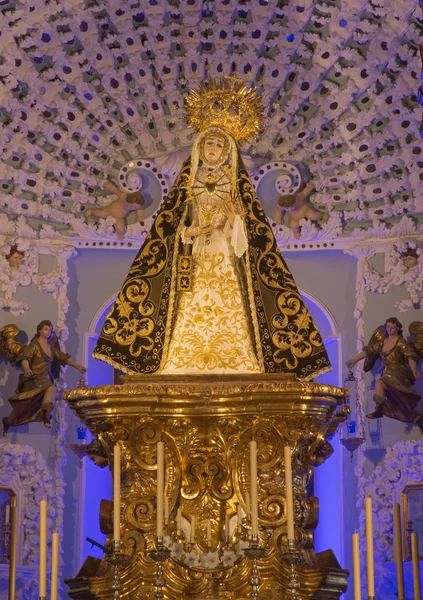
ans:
(206, 424)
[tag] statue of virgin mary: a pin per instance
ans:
(209, 291)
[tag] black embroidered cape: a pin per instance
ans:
(136, 333)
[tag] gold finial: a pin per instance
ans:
(226, 103)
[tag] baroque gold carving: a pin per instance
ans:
(206, 424)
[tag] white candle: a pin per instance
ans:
(238, 515)
(55, 566)
(247, 504)
(193, 524)
(116, 493)
(43, 549)
(7, 514)
(209, 533)
(12, 550)
(416, 566)
(253, 488)
(289, 494)
(356, 567)
(398, 551)
(160, 487)
(227, 527)
(369, 549)
(166, 510)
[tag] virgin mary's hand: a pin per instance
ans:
(196, 230)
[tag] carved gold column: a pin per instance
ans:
(206, 424)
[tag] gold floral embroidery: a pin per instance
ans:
(211, 332)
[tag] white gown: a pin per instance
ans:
(211, 332)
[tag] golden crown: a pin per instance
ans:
(226, 103)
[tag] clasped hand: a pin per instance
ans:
(195, 230)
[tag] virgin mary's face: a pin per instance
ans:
(213, 149)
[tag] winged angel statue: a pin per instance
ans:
(40, 360)
(394, 396)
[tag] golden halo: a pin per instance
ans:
(228, 104)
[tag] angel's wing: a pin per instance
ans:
(416, 329)
(373, 347)
(55, 366)
(9, 347)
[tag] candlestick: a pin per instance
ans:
(255, 553)
(43, 549)
(416, 567)
(7, 514)
(193, 524)
(289, 494)
(159, 555)
(117, 559)
(55, 566)
(160, 488)
(253, 487)
(12, 550)
(369, 549)
(116, 493)
(356, 567)
(293, 557)
(398, 552)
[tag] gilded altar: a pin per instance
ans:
(206, 424)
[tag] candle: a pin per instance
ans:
(160, 487)
(253, 488)
(369, 550)
(416, 567)
(116, 493)
(12, 550)
(289, 494)
(193, 524)
(7, 514)
(43, 549)
(55, 566)
(179, 520)
(209, 533)
(247, 504)
(226, 527)
(166, 510)
(356, 567)
(398, 552)
(238, 515)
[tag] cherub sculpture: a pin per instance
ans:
(15, 257)
(119, 209)
(410, 258)
(41, 360)
(394, 395)
(299, 207)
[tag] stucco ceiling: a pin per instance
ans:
(88, 85)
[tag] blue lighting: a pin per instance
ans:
(343, 22)
(290, 37)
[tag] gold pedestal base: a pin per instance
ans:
(206, 424)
